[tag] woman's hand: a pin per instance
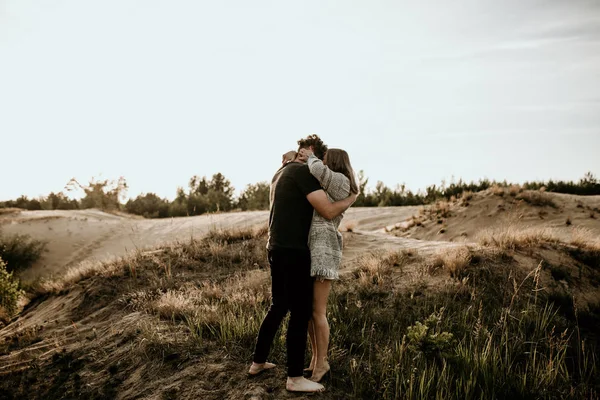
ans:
(288, 157)
(303, 155)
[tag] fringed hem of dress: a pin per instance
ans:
(324, 273)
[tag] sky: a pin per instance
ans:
(415, 92)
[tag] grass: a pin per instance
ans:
(585, 239)
(537, 198)
(437, 211)
(497, 190)
(10, 210)
(465, 198)
(490, 331)
(494, 337)
(512, 237)
(373, 270)
(514, 190)
(220, 249)
(454, 260)
(456, 343)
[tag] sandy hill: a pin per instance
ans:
(419, 316)
(91, 235)
(463, 219)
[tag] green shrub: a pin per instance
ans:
(9, 291)
(255, 197)
(428, 338)
(20, 251)
(149, 206)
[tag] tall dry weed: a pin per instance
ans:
(585, 238)
(513, 237)
(537, 198)
(175, 304)
(497, 190)
(514, 190)
(454, 260)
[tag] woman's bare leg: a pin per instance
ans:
(313, 346)
(321, 327)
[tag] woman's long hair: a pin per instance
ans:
(338, 161)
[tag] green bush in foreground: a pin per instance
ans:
(20, 251)
(9, 291)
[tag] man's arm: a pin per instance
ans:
(328, 210)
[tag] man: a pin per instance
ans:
(294, 195)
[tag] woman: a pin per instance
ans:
(325, 242)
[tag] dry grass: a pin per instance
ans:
(222, 250)
(465, 198)
(585, 239)
(514, 190)
(512, 237)
(10, 210)
(371, 271)
(375, 269)
(467, 195)
(441, 209)
(249, 288)
(537, 198)
(497, 190)
(157, 339)
(454, 260)
(78, 273)
(209, 302)
(227, 236)
(175, 304)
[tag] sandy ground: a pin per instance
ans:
(76, 236)
(466, 220)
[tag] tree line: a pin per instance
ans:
(216, 194)
(202, 196)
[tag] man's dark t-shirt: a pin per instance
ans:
(291, 213)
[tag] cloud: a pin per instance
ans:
(543, 27)
(580, 29)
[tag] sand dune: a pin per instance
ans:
(76, 236)
(462, 220)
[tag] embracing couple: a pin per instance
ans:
(309, 194)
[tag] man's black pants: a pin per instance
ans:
(292, 289)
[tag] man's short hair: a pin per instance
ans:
(319, 148)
